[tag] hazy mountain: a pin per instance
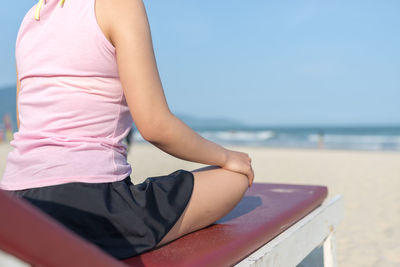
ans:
(8, 105)
(217, 123)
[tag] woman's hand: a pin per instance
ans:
(239, 162)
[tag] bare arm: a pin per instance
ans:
(18, 89)
(130, 33)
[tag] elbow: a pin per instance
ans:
(156, 131)
(150, 136)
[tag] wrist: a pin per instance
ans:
(224, 157)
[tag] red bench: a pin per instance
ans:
(265, 211)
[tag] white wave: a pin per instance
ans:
(360, 139)
(244, 136)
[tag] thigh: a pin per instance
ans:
(215, 193)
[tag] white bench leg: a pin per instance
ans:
(330, 250)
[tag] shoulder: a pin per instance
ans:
(120, 18)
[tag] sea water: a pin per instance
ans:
(357, 138)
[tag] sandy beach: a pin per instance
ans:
(369, 181)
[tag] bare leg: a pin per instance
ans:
(216, 192)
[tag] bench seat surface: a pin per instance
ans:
(265, 211)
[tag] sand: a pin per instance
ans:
(369, 181)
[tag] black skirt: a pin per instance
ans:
(121, 218)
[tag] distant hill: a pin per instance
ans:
(217, 123)
(8, 105)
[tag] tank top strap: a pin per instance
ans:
(39, 7)
(63, 38)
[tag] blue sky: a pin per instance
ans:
(267, 62)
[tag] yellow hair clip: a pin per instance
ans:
(39, 6)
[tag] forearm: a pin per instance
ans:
(177, 139)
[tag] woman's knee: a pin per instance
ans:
(240, 182)
(223, 179)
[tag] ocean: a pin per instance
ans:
(229, 132)
(354, 138)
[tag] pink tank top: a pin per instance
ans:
(72, 110)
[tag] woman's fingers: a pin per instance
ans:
(251, 176)
(249, 172)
